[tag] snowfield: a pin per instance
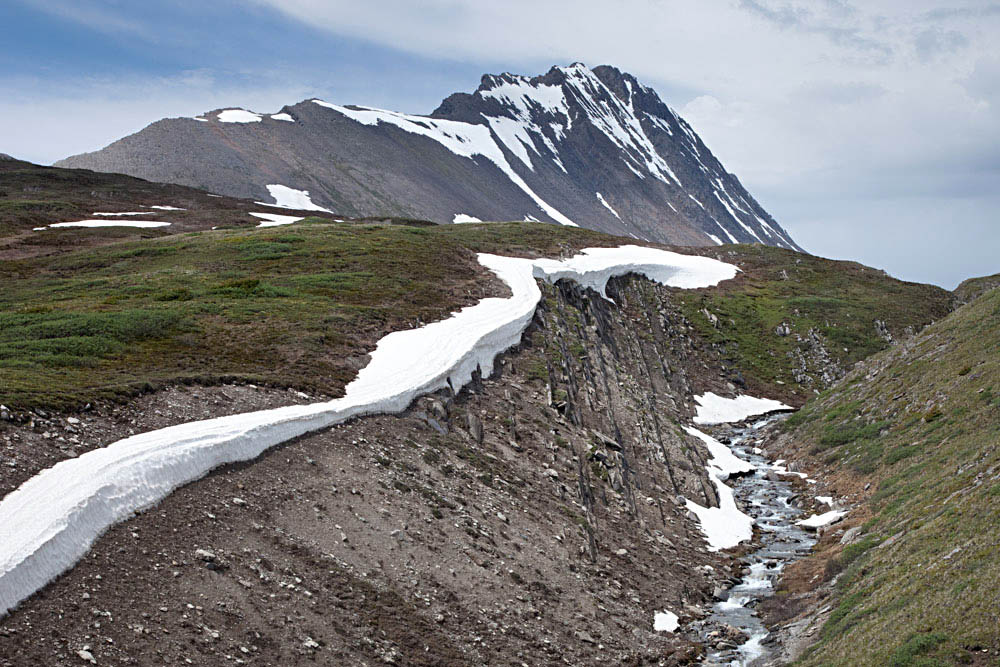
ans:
(286, 197)
(714, 409)
(50, 521)
(238, 116)
(461, 218)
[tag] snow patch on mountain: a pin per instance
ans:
(282, 116)
(238, 116)
(286, 197)
(461, 218)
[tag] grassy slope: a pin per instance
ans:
(922, 423)
(839, 300)
(300, 306)
(287, 305)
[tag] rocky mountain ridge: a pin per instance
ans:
(576, 146)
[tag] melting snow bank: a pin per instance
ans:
(724, 526)
(145, 224)
(286, 197)
(715, 409)
(461, 218)
(665, 621)
(50, 521)
(819, 520)
(238, 116)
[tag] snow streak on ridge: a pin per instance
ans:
(462, 139)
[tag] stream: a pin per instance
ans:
(769, 499)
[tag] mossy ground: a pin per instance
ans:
(922, 423)
(284, 305)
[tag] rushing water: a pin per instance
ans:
(769, 499)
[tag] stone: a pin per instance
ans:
(475, 427)
(205, 555)
(87, 656)
(851, 535)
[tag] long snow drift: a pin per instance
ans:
(50, 521)
(715, 409)
(144, 224)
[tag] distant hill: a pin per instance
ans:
(32, 197)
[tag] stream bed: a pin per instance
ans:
(769, 498)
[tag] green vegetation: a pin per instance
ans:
(922, 423)
(286, 306)
(837, 301)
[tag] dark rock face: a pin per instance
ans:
(591, 147)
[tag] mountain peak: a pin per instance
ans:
(576, 145)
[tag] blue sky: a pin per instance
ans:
(869, 130)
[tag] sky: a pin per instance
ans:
(869, 130)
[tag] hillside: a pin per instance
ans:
(909, 439)
(576, 146)
(537, 514)
(33, 197)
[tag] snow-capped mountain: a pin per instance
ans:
(577, 146)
